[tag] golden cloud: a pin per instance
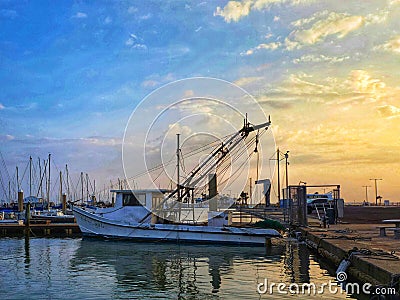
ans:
(235, 10)
(335, 24)
(388, 111)
(392, 45)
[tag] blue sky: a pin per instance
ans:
(71, 72)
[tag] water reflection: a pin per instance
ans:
(181, 270)
(92, 269)
(297, 262)
(27, 258)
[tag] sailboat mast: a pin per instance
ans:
(87, 187)
(9, 191)
(61, 187)
(41, 178)
(17, 178)
(66, 171)
(48, 184)
(30, 176)
(82, 185)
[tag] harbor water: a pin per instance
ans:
(50, 268)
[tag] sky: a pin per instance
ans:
(72, 73)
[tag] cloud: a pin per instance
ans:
(321, 25)
(360, 87)
(80, 15)
(139, 47)
(135, 43)
(361, 82)
(270, 46)
(145, 17)
(132, 10)
(312, 30)
(247, 80)
(101, 141)
(320, 58)
(392, 45)
(8, 13)
(388, 111)
(156, 79)
(7, 137)
(150, 83)
(107, 20)
(331, 24)
(2, 106)
(235, 10)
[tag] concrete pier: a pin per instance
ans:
(375, 259)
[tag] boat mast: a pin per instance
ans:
(218, 153)
(82, 185)
(87, 187)
(17, 178)
(40, 176)
(48, 185)
(9, 191)
(66, 172)
(177, 167)
(30, 176)
(61, 187)
(178, 175)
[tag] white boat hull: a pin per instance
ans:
(92, 224)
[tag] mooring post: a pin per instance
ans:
(64, 203)
(27, 217)
(20, 201)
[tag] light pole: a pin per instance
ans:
(376, 189)
(278, 159)
(366, 192)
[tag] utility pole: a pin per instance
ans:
(279, 176)
(366, 192)
(287, 163)
(278, 159)
(376, 189)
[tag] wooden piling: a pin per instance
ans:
(20, 200)
(64, 203)
(28, 215)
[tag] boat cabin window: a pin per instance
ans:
(130, 200)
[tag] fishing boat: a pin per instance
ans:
(168, 215)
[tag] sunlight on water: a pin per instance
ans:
(94, 269)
